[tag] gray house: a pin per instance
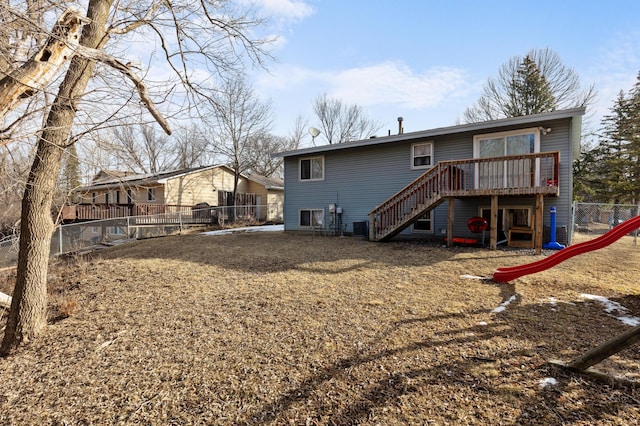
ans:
(450, 182)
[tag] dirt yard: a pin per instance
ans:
(253, 329)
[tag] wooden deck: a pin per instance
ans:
(139, 214)
(517, 175)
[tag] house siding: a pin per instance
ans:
(355, 180)
(201, 187)
(138, 195)
(271, 200)
(360, 178)
(275, 206)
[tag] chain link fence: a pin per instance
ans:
(8, 252)
(591, 220)
(78, 237)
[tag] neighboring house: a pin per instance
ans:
(431, 182)
(116, 194)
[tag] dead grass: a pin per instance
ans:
(287, 329)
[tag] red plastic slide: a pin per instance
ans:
(503, 275)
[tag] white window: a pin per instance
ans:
(525, 141)
(511, 173)
(422, 155)
(424, 224)
(311, 218)
(312, 168)
(151, 196)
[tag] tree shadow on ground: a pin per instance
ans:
(277, 252)
(515, 375)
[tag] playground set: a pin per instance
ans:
(612, 346)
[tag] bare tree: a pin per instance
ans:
(37, 72)
(206, 33)
(523, 82)
(140, 148)
(300, 130)
(14, 168)
(240, 119)
(342, 123)
(260, 154)
(192, 148)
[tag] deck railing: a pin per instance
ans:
(112, 211)
(147, 213)
(515, 175)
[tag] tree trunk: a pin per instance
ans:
(42, 67)
(27, 316)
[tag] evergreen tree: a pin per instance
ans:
(588, 186)
(632, 135)
(529, 91)
(536, 83)
(611, 171)
(614, 162)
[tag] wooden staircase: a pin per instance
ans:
(414, 200)
(516, 175)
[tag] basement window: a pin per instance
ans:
(424, 224)
(311, 218)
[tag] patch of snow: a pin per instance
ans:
(548, 381)
(632, 321)
(482, 323)
(265, 228)
(506, 303)
(610, 307)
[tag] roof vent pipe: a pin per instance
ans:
(400, 129)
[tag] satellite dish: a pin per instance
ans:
(313, 132)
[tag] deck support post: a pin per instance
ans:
(493, 224)
(372, 229)
(538, 223)
(450, 218)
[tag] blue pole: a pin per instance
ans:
(552, 244)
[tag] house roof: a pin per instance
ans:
(461, 128)
(109, 179)
(143, 179)
(268, 182)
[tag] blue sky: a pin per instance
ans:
(428, 60)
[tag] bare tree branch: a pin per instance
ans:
(43, 66)
(101, 56)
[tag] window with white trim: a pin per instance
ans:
(422, 155)
(523, 141)
(513, 173)
(312, 168)
(311, 218)
(151, 196)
